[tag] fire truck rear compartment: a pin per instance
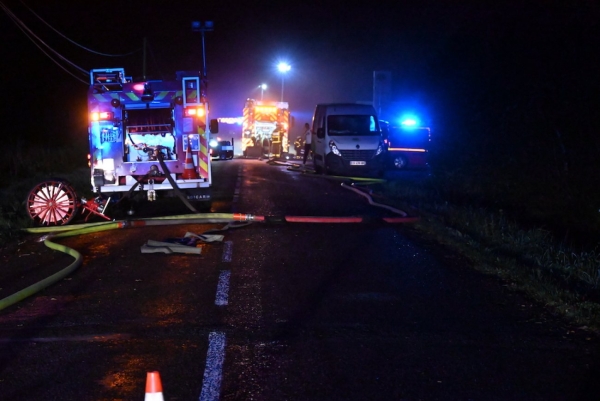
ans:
(147, 129)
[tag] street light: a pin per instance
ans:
(283, 68)
(262, 89)
(203, 26)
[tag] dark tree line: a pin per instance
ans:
(516, 89)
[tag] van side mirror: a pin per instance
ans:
(320, 133)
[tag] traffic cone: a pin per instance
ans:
(153, 387)
(189, 171)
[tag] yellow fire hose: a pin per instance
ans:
(40, 285)
(68, 231)
(195, 218)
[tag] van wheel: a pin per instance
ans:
(399, 162)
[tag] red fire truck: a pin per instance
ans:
(265, 128)
(149, 136)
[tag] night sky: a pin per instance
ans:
(332, 46)
(466, 67)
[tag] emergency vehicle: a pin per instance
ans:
(148, 136)
(265, 127)
(407, 145)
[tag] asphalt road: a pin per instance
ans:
(280, 311)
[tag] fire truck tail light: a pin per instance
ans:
(194, 111)
(104, 115)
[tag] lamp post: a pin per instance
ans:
(283, 68)
(262, 89)
(203, 26)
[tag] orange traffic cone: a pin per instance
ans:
(189, 171)
(153, 387)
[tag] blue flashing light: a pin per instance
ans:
(409, 121)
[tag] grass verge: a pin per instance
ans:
(530, 259)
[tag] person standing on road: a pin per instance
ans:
(307, 141)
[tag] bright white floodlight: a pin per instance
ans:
(283, 68)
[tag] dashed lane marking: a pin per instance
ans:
(211, 383)
(223, 288)
(227, 251)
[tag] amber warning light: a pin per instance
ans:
(102, 115)
(194, 111)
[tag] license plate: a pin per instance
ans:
(357, 163)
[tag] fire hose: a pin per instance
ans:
(68, 231)
(232, 219)
(167, 173)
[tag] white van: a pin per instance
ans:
(346, 139)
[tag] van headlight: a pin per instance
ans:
(379, 150)
(334, 148)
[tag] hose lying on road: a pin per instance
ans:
(358, 191)
(40, 285)
(192, 218)
(310, 172)
(233, 220)
(278, 162)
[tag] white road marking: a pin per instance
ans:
(223, 288)
(211, 384)
(227, 251)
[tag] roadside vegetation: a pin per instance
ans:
(554, 260)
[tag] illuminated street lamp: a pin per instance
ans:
(283, 68)
(262, 89)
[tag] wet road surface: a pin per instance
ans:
(280, 311)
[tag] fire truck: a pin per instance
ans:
(265, 128)
(147, 137)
